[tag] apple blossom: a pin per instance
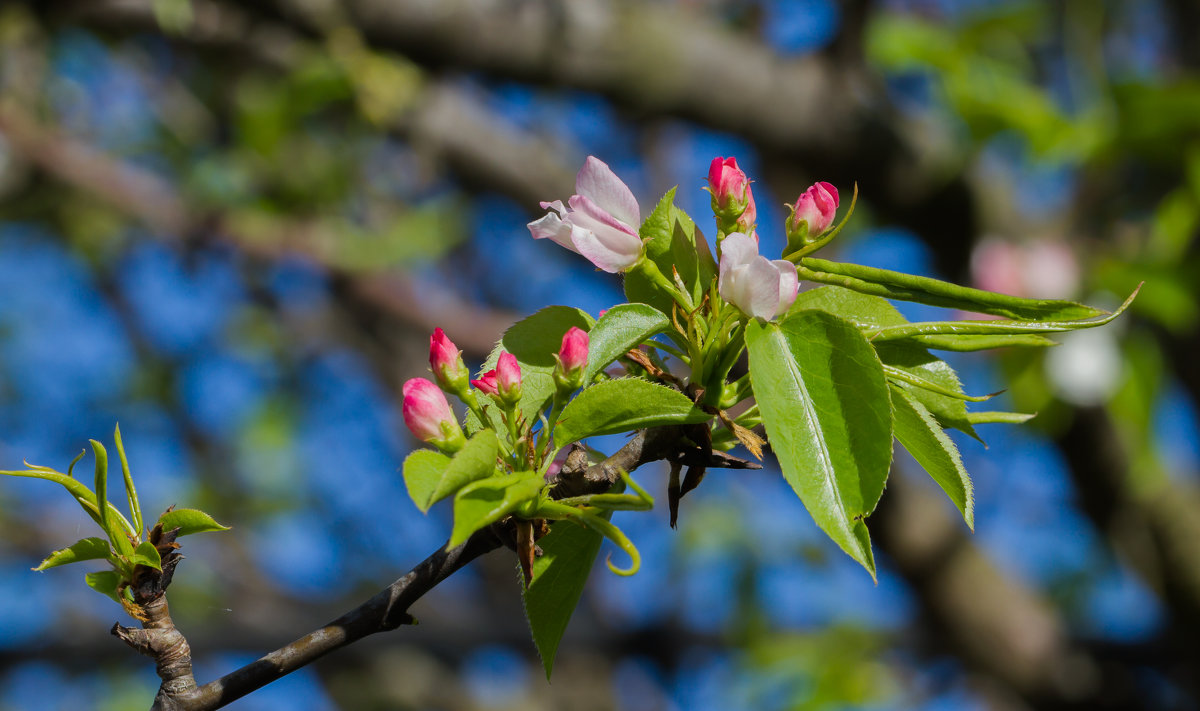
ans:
(732, 200)
(429, 417)
(759, 287)
(502, 382)
(572, 359)
(812, 214)
(600, 221)
(446, 361)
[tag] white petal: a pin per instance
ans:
(763, 288)
(551, 227)
(789, 284)
(600, 184)
(738, 248)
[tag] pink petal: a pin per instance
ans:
(598, 250)
(600, 184)
(599, 236)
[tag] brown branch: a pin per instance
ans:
(151, 200)
(386, 611)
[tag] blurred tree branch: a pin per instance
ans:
(155, 202)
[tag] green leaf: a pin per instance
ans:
(135, 508)
(923, 437)
(486, 501)
(824, 401)
(862, 310)
(950, 411)
(674, 244)
(620, 328)
(622, 405)
(1010, 418)
(423, 469)
(569, 552)
(909, 287)
(965, 343)
(85, 549)
(105, 582)
(432, 476)
(189, 521)
(872, 313)
(993, 328)
(75, 488)
(533, 341)
(146, 554)
(117, 529)
(102, 486)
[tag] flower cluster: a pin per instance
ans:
(427, 412)
(599, 223)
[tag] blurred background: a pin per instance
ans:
(231, 226)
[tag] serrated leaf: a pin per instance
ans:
(534, 341)
(189, 521)
(909, 287)
(949, 411)
(431, 476)
(92, 548)
(569, 552)
(486, 501)
(919, 432)
(623, 405)
(674, 244)
(146, 554)
(105, 582)
(622, 327)
(824, 401)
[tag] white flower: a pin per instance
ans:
(600, 221)
(759, 287)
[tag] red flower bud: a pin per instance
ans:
(446, 361)
(732, 200)
(813, 213)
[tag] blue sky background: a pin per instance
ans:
(311, 440)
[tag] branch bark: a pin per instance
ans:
(388, 609)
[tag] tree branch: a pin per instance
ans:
(388, 609)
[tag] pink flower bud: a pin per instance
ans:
(572, 359)
(760, 288)
(429, 416)
(600, 220)
(813, 213)
(508, 378)
(732, 200)
(446, 361)
(574, 352)
(503, 382)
